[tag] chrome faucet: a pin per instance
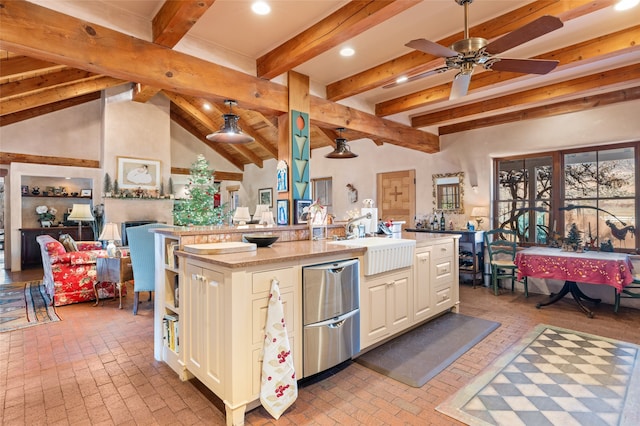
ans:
(348, 228)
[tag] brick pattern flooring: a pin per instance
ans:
(96, 367)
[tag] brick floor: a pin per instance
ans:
(96, 367)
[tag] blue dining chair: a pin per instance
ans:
(141, 246)
(632, 291)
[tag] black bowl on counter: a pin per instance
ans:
(261, 240)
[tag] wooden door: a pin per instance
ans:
(397, 196)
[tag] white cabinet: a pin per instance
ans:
(203, 294)
(444, 276)
(385, 305)
(422, 303)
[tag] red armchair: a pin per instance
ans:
(69, 277)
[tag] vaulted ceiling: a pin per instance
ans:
(199, 53)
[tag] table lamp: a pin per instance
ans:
(80, 212)
(479, 213)
(241, 216)
(267, 218)
(110, 233)
(260, 208)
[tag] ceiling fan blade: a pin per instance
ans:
(435, 49)
(460, 85)
(525, 66)
(534, 29)
(416, 77)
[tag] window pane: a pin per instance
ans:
(616, 175)
(580, 175)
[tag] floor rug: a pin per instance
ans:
(418, 355)
(554, 376)
(24, 304)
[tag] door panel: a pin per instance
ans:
(396, 196)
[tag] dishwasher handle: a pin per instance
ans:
(335, 322)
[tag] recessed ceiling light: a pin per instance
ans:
(206, 106)
(261, 8)
(626, 4)
(402, 79)
(347, 51)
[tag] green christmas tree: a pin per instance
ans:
(573, 237)
(197, 208)
(108, 186)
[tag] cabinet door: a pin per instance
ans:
(374, 324)
(203, 326)
(422, 286)
(400, 306)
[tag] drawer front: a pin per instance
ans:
(261, 281)
(443, 296)
(259, 316)
(444, 250)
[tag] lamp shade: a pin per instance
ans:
(267, 218)
(241, 215)
(110, 232)
(260, 208)
(80, 212)
(342, 149)
(479, 212)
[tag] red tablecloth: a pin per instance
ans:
(591, 267)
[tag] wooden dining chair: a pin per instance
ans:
(501, 247)
(632, 291)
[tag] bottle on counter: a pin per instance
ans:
(434, 223)
(443, 225)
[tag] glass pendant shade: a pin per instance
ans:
(230, 132)
(342, 150)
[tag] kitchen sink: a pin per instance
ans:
(383, 254)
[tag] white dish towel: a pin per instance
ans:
(279, 387)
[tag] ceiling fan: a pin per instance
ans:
(464, 55)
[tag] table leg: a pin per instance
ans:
(95, 290)
(119, 285)
(576, 293)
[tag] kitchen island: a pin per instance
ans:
(220, 312)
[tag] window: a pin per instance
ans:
(321, 189)
(594, 188)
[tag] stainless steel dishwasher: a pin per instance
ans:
(331, 314)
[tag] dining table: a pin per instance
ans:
(613, 269)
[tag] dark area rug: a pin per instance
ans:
(420, 354)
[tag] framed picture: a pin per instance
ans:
(283, 176)
(85, 193)
(301, 211)
(283, 212)
(265, 196)
(138, 173)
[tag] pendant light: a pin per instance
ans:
(230, 132)
(342, 149)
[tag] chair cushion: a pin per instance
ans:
(68, 243)
(503, 263)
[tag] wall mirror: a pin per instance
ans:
(448, 191)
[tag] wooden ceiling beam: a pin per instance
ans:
(415, 62)
(17, 67)
(11, 157)
(330, 114)
(565, 107)
(56, 94)
(352, 19)
(217, 174)
(46, 109)
(606, 46)
(625, 75)
(189, 128)
(42, 33)
(175, 18)
(41, 83)
(172, 22)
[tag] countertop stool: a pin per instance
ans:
(116, 270)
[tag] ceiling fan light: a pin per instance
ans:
(230, 132)
(342, 149)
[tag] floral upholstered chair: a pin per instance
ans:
(69, 276)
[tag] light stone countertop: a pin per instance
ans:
(296, 250)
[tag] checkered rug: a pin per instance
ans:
(555, 376)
